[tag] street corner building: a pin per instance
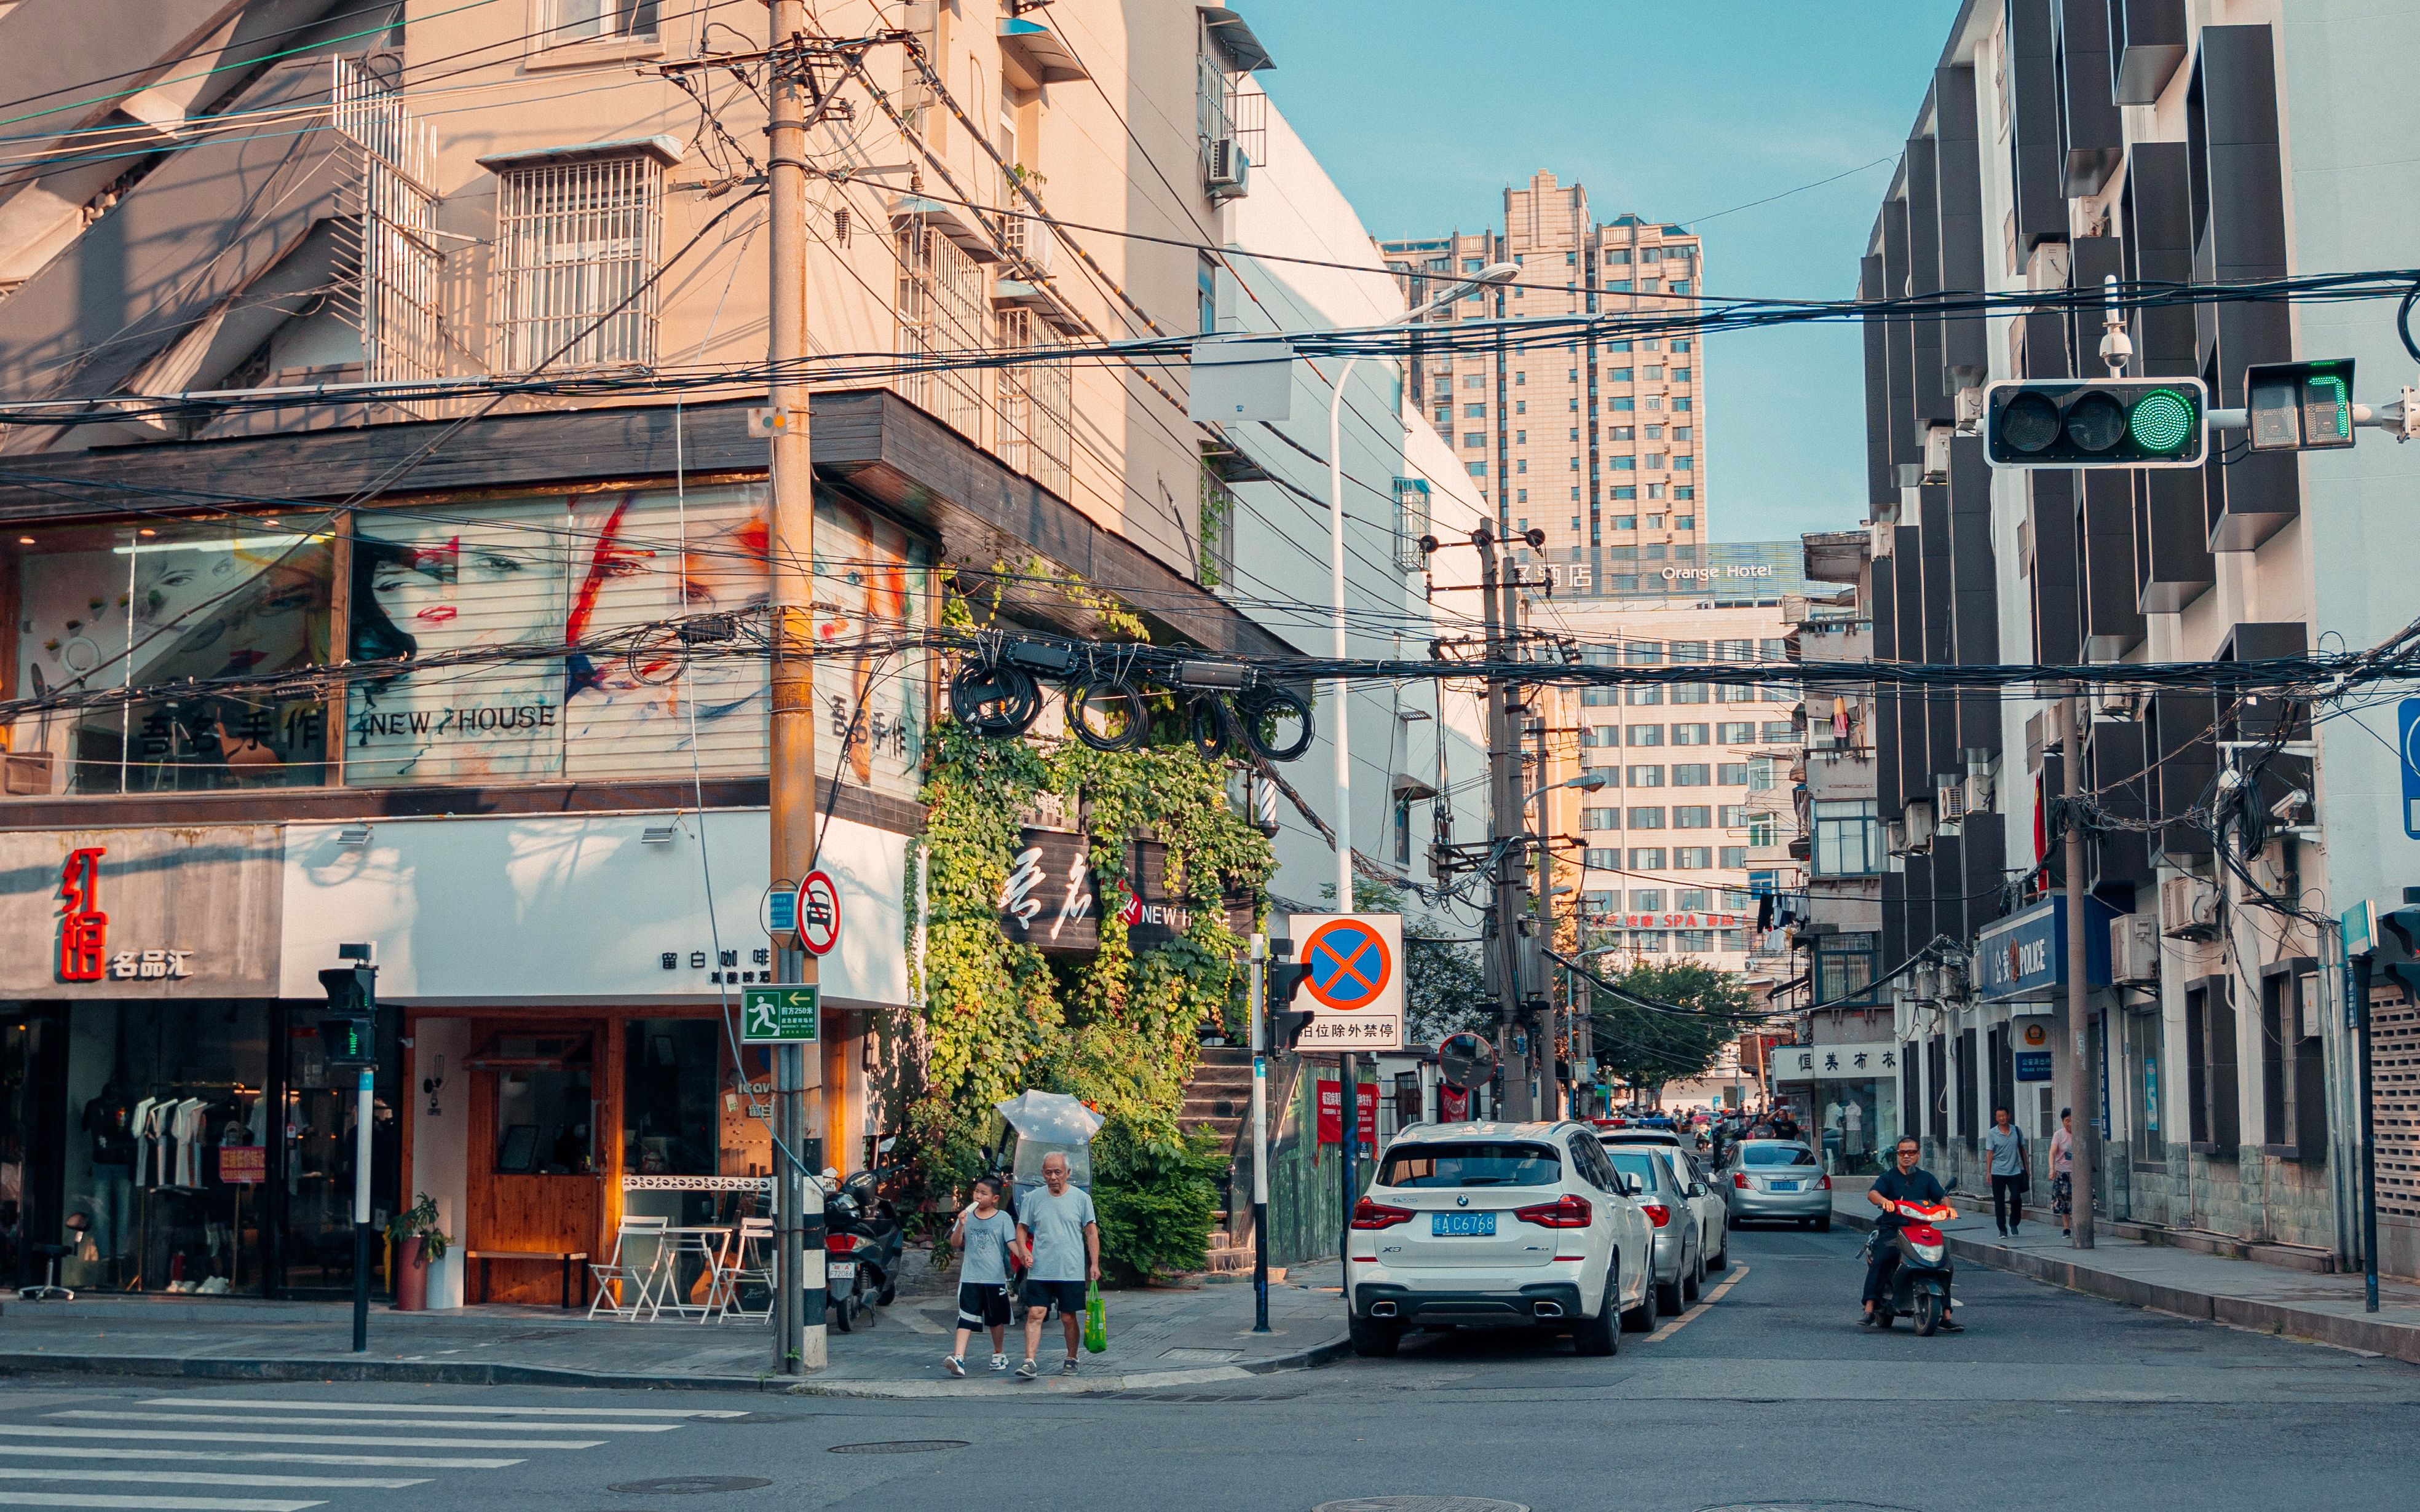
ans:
(389, 551)
(2055, 147)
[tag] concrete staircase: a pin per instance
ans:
(1219, 1098)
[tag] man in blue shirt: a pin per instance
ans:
(1905, 1182)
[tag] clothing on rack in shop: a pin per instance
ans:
(139, 1125)
(187, 1123)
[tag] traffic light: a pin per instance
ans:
(350, 1032)
(2299, 407)
(1286, 1022)
(2095, 423)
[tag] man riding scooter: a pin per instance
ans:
(1905, 1182)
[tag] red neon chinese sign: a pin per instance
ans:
(84, 929)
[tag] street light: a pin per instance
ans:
(1337, 690)
(1590, 780)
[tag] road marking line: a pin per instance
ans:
(1738, 1273)
(204, 1477)
(104, 1451)
(448, 1424)
(120, 1435)
(296, 1403)
(156, 1504)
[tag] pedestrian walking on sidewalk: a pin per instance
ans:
(1058, 1225)
(2062, 1170)
(2011, 1171)
(986, 1240)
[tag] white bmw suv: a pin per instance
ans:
(1499, 1225)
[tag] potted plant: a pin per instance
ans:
(418, 1242)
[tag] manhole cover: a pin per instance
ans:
(1420, 1503)
(899, 1446)
(691, 1485)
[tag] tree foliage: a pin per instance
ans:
(1445, 988)
(1649, 1047)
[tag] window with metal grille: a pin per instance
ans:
(1411, 522)
(576, 249)
(1037, 433)
(944, 307)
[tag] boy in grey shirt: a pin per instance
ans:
(1056, 1223)
(985, 1239)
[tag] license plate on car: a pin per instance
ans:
(1785, 1186)
(1479, 1224)
(840, 1269)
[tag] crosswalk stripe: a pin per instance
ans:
(205, 1477)
(306, 1404)
(258, 1457)
(156, 1504)
(447, 1424)
(16, 1431)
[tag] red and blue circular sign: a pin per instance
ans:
(1350, 965)
(818, 913)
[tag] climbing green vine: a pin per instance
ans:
(1119, 1028)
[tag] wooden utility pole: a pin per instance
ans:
(2083, 1071)
(799, 1270)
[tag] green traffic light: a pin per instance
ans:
(2163, 420)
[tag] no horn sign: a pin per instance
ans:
(1355, 985)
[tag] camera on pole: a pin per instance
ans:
(2096, 422)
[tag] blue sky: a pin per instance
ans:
(1423, 111)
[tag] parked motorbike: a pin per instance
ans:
(862, 1240)
(1917, 1283)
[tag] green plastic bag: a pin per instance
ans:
(1096, 1322)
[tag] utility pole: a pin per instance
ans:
(1506, 828)
(799, 1265)
(1259, 1008)
(1543, 905)
(2082, 1071)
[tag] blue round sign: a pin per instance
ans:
(1350, 965)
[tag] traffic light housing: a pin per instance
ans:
(2299, 407)
(2096, 422)
(1286, 1022)
(350, 1032)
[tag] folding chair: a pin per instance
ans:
(752, 1263)
(621, 1271)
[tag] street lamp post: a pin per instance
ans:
(1337, 689)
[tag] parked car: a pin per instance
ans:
(1499, 1225)
(1715, 1242)
(1664, 1197)
(1776, 1178)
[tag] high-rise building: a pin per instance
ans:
(1600, 444)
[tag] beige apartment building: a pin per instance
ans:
(1600, 444)
(1671, 858)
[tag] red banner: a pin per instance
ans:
(1331, 1112)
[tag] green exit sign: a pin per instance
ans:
(779, 1015)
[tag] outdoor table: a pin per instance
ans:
(708, 1244)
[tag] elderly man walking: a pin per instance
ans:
(1056, 1226)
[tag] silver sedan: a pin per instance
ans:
(1775, 1179)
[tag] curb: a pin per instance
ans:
(466, 1373)
(2389, 1339)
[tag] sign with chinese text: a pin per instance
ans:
(84, 929)
(778, 1016)
(1051, 899)
(1835, 1062)
(1331, 1112)
(1355, 987)
(2033, 1065)
(244, 1165)
(141, 913)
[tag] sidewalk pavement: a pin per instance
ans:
(1158, 1337)
(2244, 1293)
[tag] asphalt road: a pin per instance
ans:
(1768, 1395)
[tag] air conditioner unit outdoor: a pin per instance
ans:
(2134, 948)
(1920, 828)
(1949, 800)
(1794, 609)
(2188, 909)
(1230, 169)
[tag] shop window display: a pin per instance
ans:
(165, 1160)
(136, 607)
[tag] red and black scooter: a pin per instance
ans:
(1917, 1285)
